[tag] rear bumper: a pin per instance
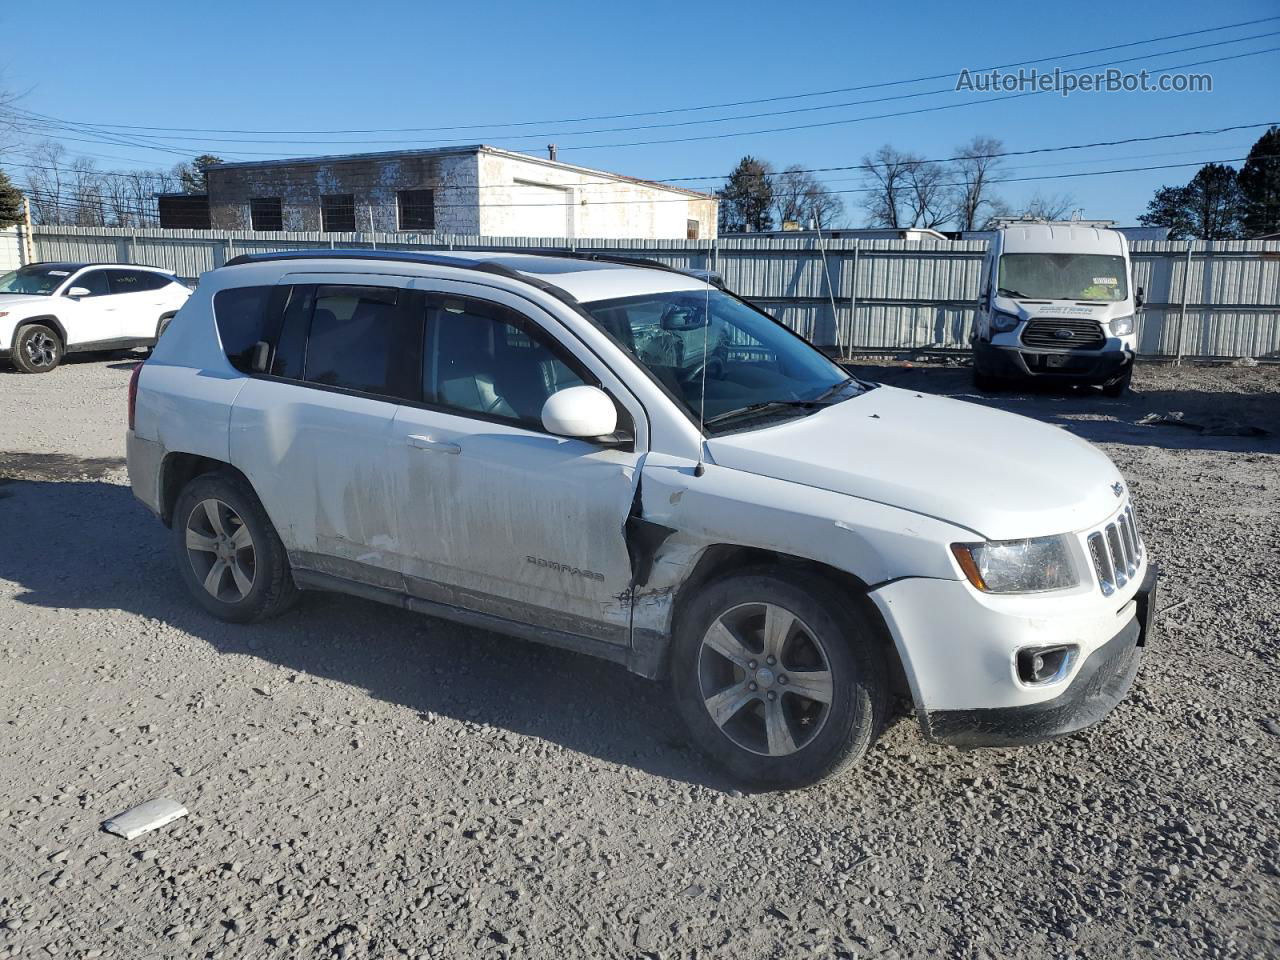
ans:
(1017, 362)
(144, 459)
(1102, 682)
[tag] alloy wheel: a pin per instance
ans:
(41, 349)
(221, 551)
(765, 679)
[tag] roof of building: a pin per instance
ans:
(585, 277)
(455, 151)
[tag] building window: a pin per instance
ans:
(417, 209)
(338, 213)
(266, 213)
(691, 229)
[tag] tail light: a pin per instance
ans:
(133, 392)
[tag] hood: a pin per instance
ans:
(24, 303)
(1030, 309)
(998, 474)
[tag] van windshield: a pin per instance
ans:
(1063, 276)
(756, 369)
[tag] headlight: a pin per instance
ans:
(1017, 566)
(1122, 326)
(1003, 322)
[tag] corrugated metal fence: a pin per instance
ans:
(1209, 299)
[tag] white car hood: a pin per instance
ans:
(998, 474)
(18, 303)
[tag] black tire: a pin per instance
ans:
(272, 589)
(1120, 385)
(36, 349)
(859, 685)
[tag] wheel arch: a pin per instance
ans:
(48, 320)
(722, 560)
(179, 469)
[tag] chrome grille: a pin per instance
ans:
(1063, 334)
(1116, 551)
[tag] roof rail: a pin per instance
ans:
(600, 258)
(406, 256)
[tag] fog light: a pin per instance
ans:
(1038, 665)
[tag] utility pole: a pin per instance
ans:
(28, 248)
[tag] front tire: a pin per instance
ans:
(985, 383)
(778, 685)
(1120, 385)
(227, 551)
(36, 349)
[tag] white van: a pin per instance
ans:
(538, 445)
(1057, 303)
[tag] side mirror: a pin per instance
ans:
(583, 412)
(1139, 298)
(680, 318)
(75, 293)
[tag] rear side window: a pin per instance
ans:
(135, 281)
(241, 316)
(367, 339)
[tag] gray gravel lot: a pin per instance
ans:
(364, 782)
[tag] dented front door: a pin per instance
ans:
(497, 515)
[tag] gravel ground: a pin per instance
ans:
(364, 782)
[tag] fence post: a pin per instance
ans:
(1182, 310)
(853, 296)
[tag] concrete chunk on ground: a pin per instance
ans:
(144, 818)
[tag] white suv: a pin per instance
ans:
(48, 310)
(524, 443)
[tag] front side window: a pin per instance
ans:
(484, 359)
(35, 279)
(753, 364)
(266, 213)
(95, 281)
(1063, 276)
(366, 339)
(417, 209)
(338, 213)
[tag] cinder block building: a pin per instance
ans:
(476, 190)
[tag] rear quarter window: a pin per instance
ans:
(241, 316)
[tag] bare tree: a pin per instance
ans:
(885, 175)
(977, 165)
(927, 195)
(48, 183)
(86, 188)
(799, 197)
(1054, 206)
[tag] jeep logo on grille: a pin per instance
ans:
(1062, 333)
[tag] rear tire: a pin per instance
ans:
(36, 349)
(227, 551)
(752, 715)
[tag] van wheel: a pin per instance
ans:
(985, 383)
(36, 349)
(778, 686)
(1120, 385)
(228, 552)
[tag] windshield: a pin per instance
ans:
(34, 279)
(1063, 276)
(755, 367)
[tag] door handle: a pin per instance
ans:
(440, 446)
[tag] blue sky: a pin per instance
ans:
(290, 66)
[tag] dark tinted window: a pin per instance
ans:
(241, 316)
(365, 338)
(338, 213)
(95, 281)
(135, 281)
(266, 213)
(417, 209)
(486, 359)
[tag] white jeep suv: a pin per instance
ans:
(527, 443)
(48, 310)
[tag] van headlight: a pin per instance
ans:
(1122, 326)
(1017, 566)
(1003, 322)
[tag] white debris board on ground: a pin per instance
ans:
(144, 818)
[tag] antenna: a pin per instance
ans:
(700, 469)
(831, 290)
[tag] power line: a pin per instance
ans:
(712, 106)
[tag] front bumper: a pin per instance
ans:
(959, 648)
(1018, 362)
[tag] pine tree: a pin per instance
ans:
(746, 197)
(10, 202)
(1260, 186)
